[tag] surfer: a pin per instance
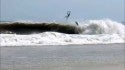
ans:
(68, 15)
(76, 23)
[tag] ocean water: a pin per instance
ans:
(90, 45)
(88, 32)
(63, 57)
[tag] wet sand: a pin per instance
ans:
(70, 57)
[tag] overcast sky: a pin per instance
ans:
(49, 10)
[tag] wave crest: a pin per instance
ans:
(103, 27)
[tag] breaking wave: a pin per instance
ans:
(87, 32)
(103, 27)
(30, 28)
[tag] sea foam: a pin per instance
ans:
(103, 27)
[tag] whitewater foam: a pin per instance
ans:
(54, 38)
(103, 27)
(93, 32)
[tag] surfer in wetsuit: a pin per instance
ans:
(68, 15)
(76, 23)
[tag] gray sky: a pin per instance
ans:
(49, 10)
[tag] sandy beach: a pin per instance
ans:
(69, 57)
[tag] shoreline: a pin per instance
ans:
(66, 45)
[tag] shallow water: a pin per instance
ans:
(70, 57)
